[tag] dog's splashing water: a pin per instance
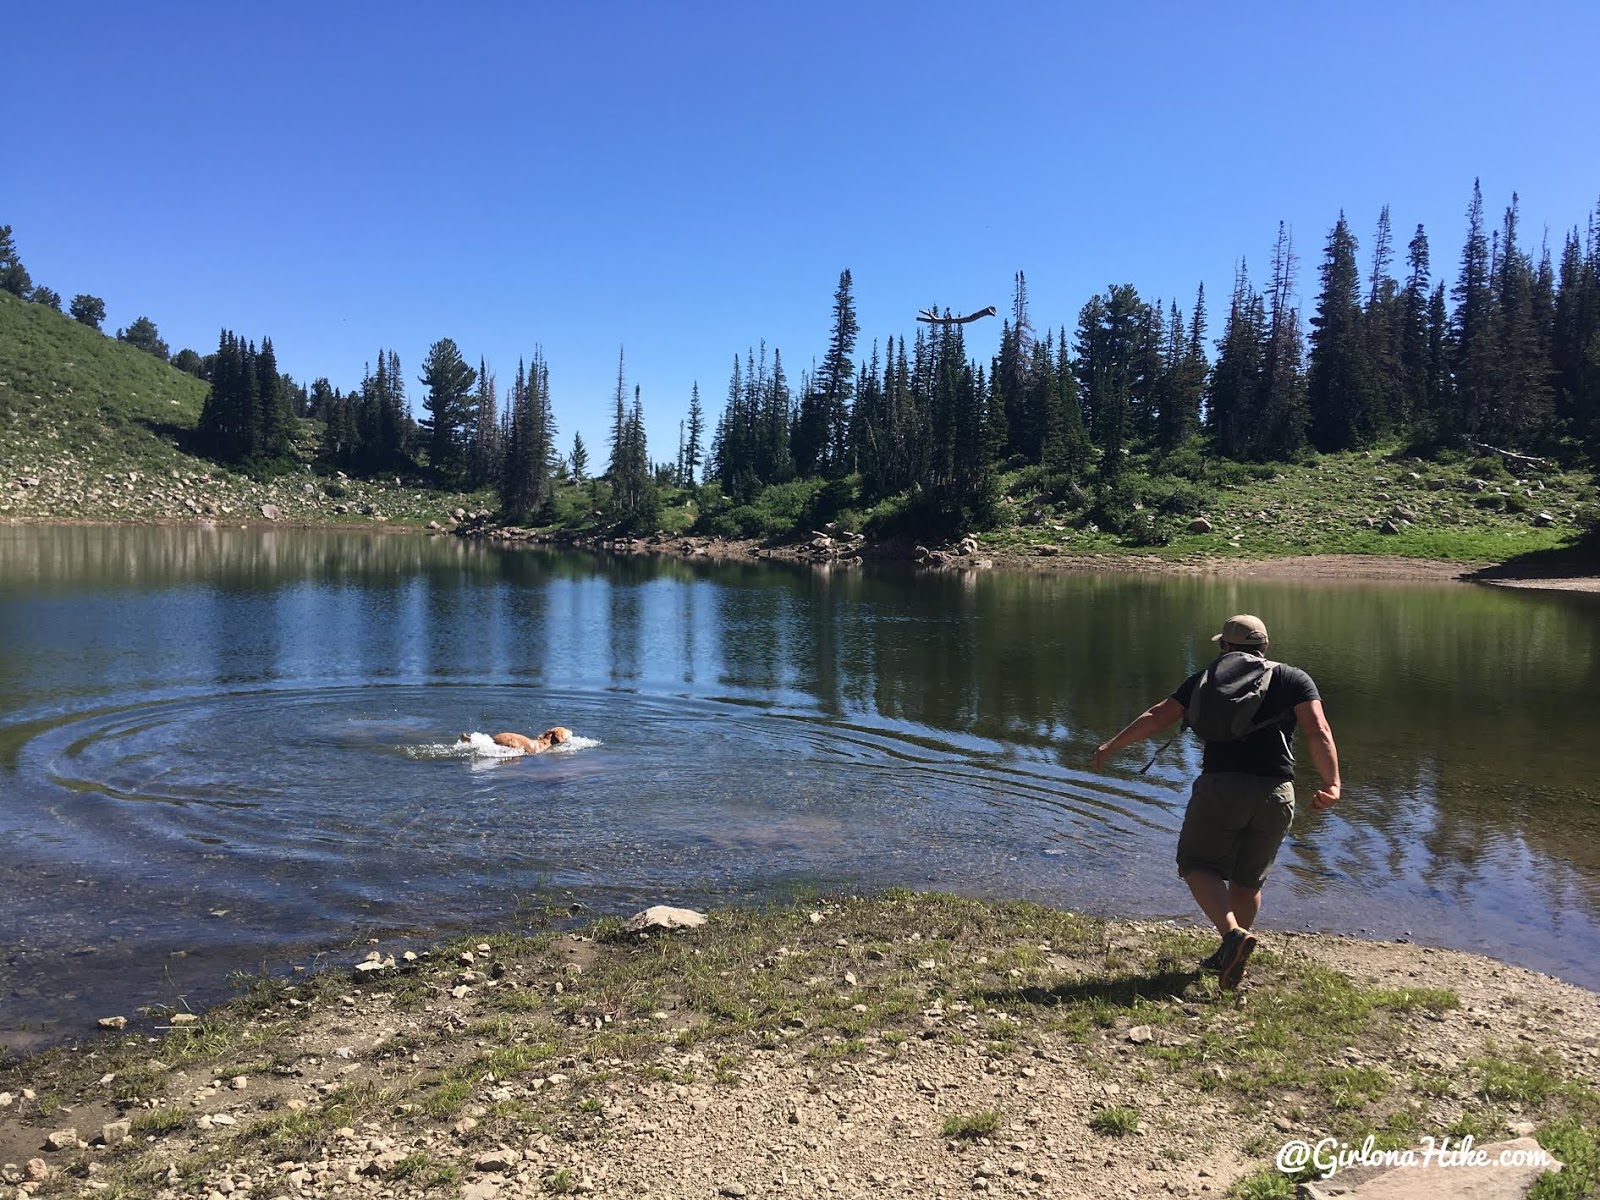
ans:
(483, 746)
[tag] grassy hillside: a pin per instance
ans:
(1459, 509)
(93, 428)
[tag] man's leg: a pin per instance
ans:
(1213, 894)
(1245, 903)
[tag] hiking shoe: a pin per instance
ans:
(1213, 961)
(1235, 951)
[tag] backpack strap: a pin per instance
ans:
(1266, 682)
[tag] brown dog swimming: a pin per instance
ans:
(553, 736)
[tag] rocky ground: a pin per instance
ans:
(66, 491)
(903, 1046)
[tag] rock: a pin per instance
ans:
(968, 545)
(736, 1190)
(1521, 1129)
(1140, 1034)
(62, 1139)
(1402, 514)
(662, 916)
(1542, 520)
(37, 1170)
(114, 1133)
(271, 512)
(500, 1162)
(482, 1190)
(112, 1022)
(1437, 485)
(1389, 527)
(1199, 525)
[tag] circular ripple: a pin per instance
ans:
(365, 794)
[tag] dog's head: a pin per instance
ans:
(558, 734)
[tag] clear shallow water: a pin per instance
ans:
(233, 749)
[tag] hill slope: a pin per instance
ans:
(92, 428)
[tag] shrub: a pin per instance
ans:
(1489, 467)
(1117, 1121)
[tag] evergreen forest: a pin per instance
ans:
(1120, 416)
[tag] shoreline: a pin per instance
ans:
(1312, 567)
(910, 1044)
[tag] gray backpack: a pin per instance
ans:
(1227, 697)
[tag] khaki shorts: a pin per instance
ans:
(1234, 825)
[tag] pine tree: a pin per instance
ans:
(773, 459)
(837, 378)
(694, 449)
(1416, 390)
(1519, 404)
(88, 310)
(1382, 322)
(272, 404)
(1108, 345)
(1473, 334)
(1575, 335)
(1231, 411)
(1282, 415)
(143, 334)
(529, 460)
(1339, 386)
(14, 277)
(619, 423)
(449, 382)
(579, 458)
(1189, 383)
(484, 450)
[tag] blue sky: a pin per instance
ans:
(683, 180)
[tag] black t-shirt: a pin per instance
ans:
(1268, 751)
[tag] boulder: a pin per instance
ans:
(1199, 525)
(271, 512)
(1402, 514)
(1389, 527)
(1543, 519)
(1437, 485)
(662, 916)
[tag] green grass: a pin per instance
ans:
(971, 1126)
(1117, 1121)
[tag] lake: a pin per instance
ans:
(234, 750)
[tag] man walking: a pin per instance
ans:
(1246, 709)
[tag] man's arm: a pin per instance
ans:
(1313, 723)
(1148, 723)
